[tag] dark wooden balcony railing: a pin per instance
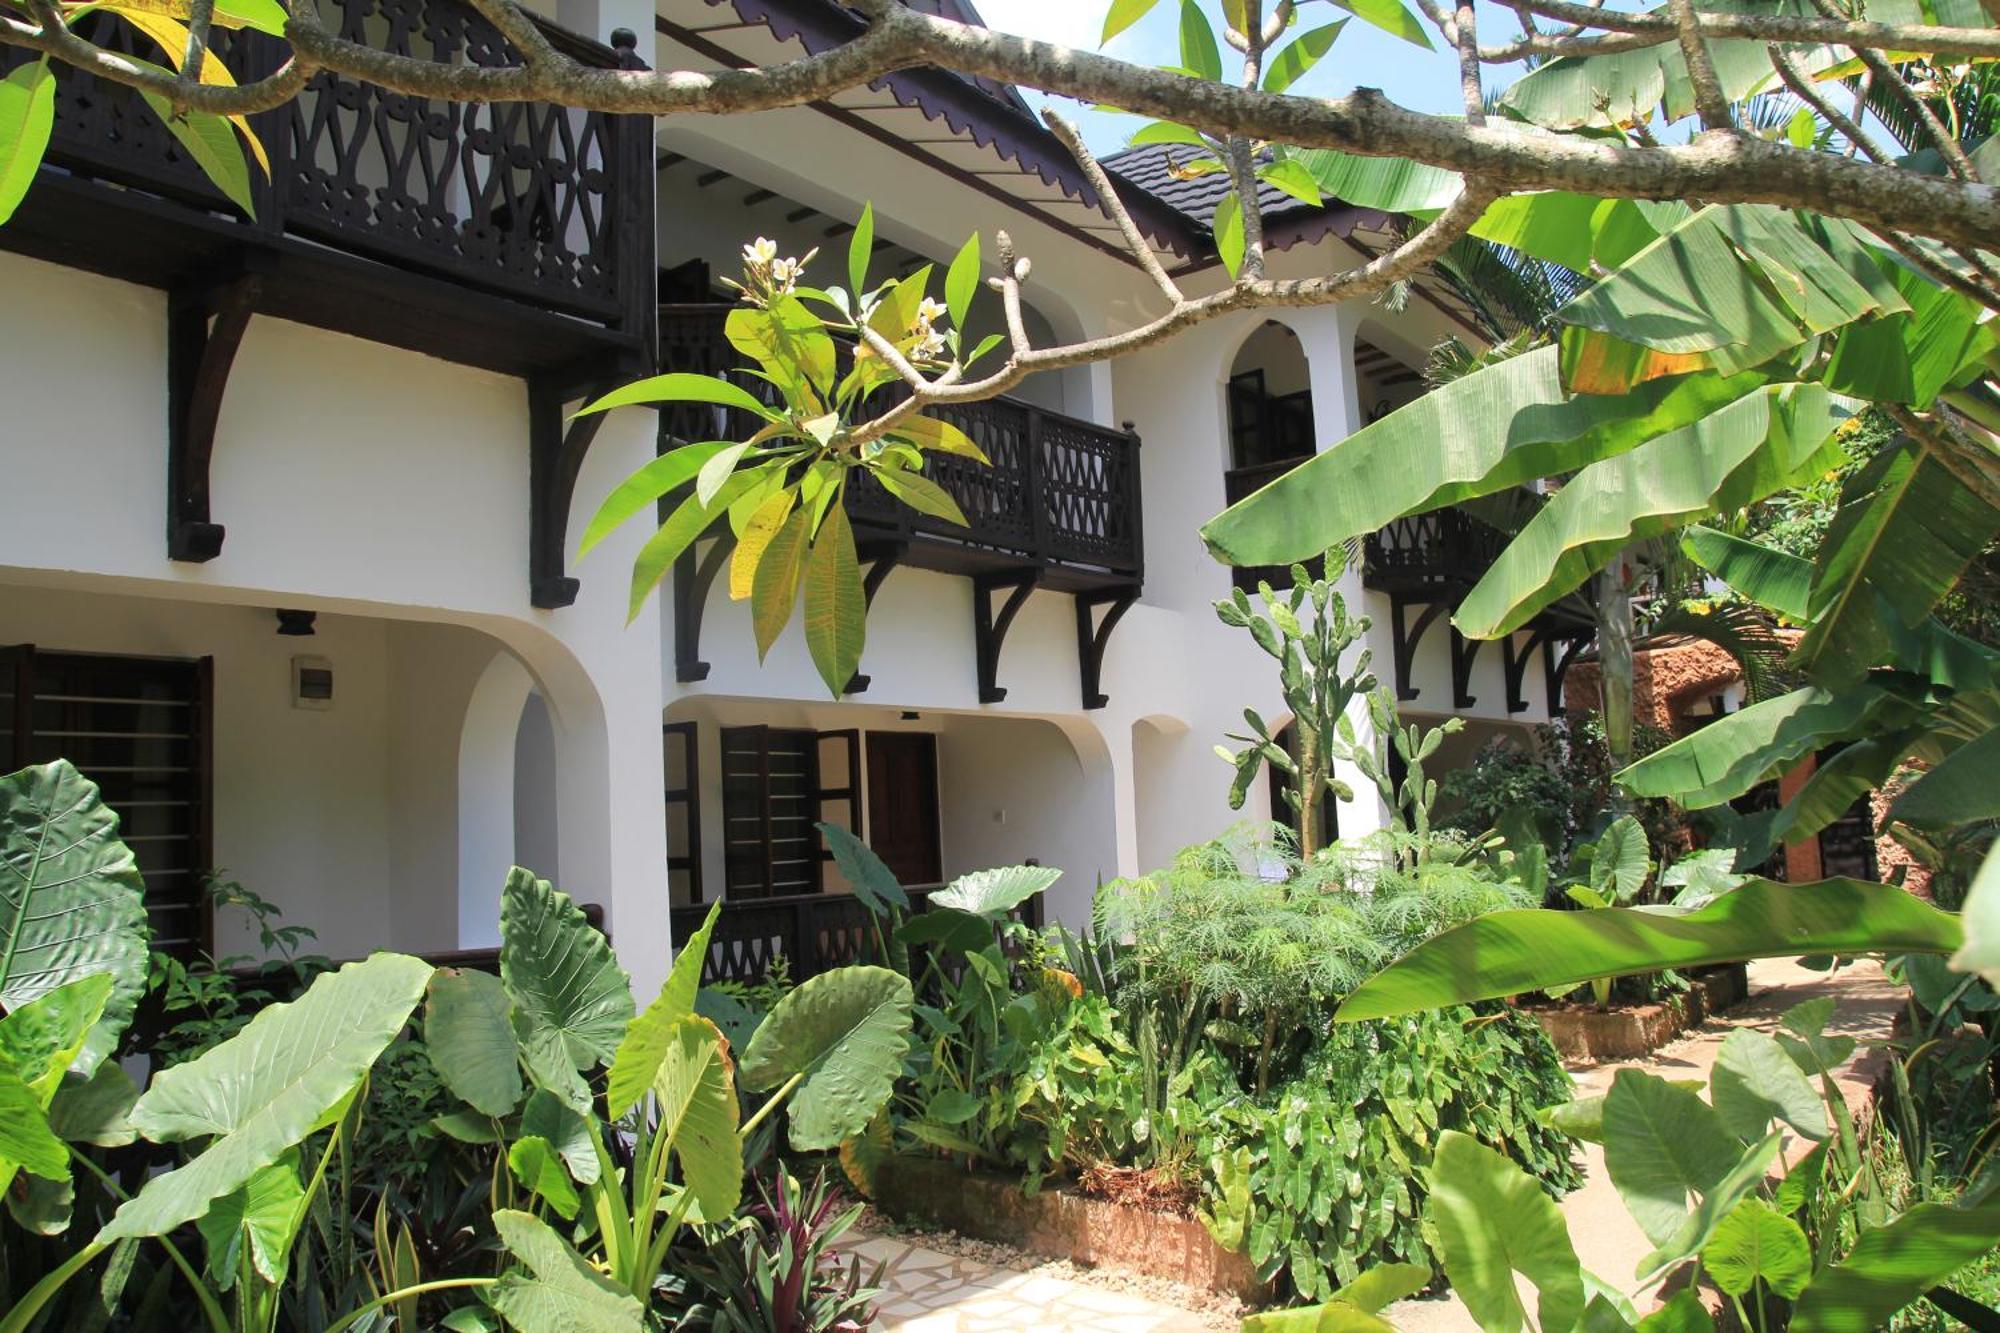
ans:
(1444, 549)
(1060, 493)
(812, 932)
(541, 205)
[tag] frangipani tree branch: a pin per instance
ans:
(1247, 292)
(1718, 165)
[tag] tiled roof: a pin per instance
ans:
(1150, 167)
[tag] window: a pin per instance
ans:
(141, 729)
(774, 789)
(683, 801)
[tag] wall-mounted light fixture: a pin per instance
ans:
(296, 624)
(910, 715)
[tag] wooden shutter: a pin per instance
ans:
(142, 729)
(681, 755)
(770, 798)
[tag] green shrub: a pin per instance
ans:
(1321, 1179)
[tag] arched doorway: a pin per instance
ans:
(1270, 420)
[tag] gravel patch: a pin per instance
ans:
(1216, 1310)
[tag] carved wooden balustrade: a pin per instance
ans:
(1444, 548)
(1061, 493)
(525, 201)
(812, 932)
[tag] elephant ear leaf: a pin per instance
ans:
(71, 899)
(1494, 1221)
(646, 1040)
(555, 1291)
(696, 1088)
(292, 1071)
(559, 970)
(843, 1036)
(996, 892)
(470, 1036)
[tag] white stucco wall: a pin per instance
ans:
(358, 480)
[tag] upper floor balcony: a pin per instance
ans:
(1060, 496)
(515, 237)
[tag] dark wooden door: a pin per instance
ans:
(903, 804)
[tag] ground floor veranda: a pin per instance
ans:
(373, 774)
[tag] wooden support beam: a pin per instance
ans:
(1463, 653)
(1405, 639)
(555, 458)
(206, 321)
(694, 575)
(883, 557)
(1093, 632)
(1514, 659)
(989, 628)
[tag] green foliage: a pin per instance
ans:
(774, 1268)
(1307, 631)
(1507, 953)
(783, 489)
(1338, 1157)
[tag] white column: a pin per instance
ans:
(1328, 338)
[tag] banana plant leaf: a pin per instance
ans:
(1961, 790)
(696, 1088)
(1450, 446)
(1737, 455)
(293, 1070)
(1981, 951)
(1905, 530)
(1841, 780)
(1510, 953)
(71, 899)
(1729, 288)
(1730, 756)
(1911, 357)
(1774, 579)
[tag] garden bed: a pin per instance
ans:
(1581, 1032)
(1059, 1224)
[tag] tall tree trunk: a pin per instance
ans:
(1613, 605)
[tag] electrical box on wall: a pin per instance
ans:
(312, 682)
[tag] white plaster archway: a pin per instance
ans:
(486, 750)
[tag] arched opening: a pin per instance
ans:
(535, 788)
(1270, 420)
(1385, 374)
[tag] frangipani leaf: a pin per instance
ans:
(27, 116)
(293, 1070)
(560, 972)
(1513, 952)
(643, 488)
(1449, 446)
(1494, 1220)
(846, 1032)
(470, 1039)
(836, 607)
(71, 899)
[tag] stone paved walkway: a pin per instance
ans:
(1607, 1240)
(931, 1292)
(926, 1291)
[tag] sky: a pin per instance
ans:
(1362, 56)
